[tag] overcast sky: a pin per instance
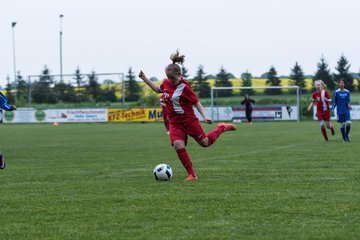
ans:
(113, 35)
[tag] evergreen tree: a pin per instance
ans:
(80, 82)
(343, 69)
(41, 89)
(222, 80)
(247, 82)
(273, 81)
(201, 86)
(324, 74)
(22, 90)
(108, 95)
(298, 77)
(9, 90)
(184, 72)
(79, 79)
(133, 88)
(65, 92)
(93, 88)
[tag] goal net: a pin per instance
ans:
(271, 103)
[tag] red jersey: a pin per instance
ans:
(321, 104)
(162, 102)
(179, 100)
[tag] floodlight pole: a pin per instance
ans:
(13, 24)
(123, 89)
(61, 65)
(29, 91)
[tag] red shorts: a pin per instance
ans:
(323, 116)
(180, 131)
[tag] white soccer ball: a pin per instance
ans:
(162, 172)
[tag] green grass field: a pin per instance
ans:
(275, 180)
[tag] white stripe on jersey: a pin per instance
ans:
(176, 98)
(323, 100)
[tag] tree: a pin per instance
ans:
(41, 90)
(273, 81)
(298, 77)
(9, 90)
(247, 82)
(222, 80)
(65, 92)
(343, 69)
(109, 95)
(324, 74)
(79, 80)
(184, 72)
(93, 88)
(201, 86)
(22, 89)
(133, 88)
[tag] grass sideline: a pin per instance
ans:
(269, 180)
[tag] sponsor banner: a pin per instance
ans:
(135, 114)
(267, 113)
(30, 115)
(354, 113)
(76, 115)
(219, 114)
(23, 115)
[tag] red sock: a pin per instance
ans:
(185, 160)
(215, 134)
(323, 130)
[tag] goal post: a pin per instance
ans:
(272, 102)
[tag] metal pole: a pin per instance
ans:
(61, 65)
(212, 103)
(13, 24)
(123, 90)
(29, 91)
(298, 103)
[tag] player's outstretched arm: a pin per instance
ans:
(153, 86)
(310, 106)
(200, 108)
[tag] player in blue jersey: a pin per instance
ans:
(343, 107)
(6, 106)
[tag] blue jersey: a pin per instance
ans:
(341, 101)
(4, 103)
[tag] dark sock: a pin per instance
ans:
(342, 129)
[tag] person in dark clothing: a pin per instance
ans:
(248, 107)
(7, 107)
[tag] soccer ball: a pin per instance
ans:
(162, 172)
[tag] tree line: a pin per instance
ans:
(85, 87)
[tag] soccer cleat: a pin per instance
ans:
(227, 126)
(2, 161)
(191, 178)
(348, 139)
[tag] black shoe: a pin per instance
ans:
(2, 161)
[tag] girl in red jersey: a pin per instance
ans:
(322, 98)
(180, 100)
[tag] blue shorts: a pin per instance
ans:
(343, 117)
